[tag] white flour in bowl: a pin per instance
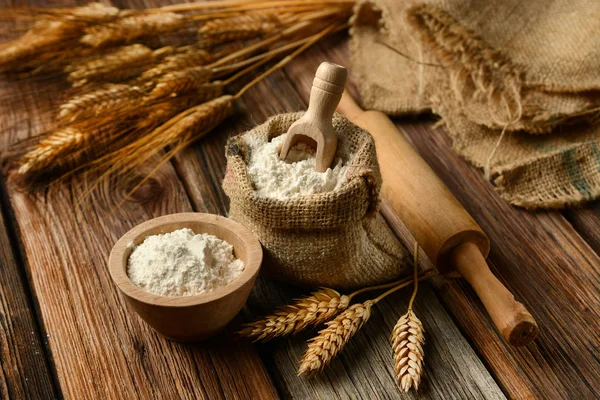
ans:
(281, 180)
(182, 263)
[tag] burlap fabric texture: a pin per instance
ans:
(335, 239)
(526, 71)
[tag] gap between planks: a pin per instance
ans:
(26, 368)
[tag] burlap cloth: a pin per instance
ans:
(334, 239)
(527, 68)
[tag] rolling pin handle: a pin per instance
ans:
(512, 319)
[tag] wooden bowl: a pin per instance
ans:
(189, 318)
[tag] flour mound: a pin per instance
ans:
(281, 180)
(183, 263)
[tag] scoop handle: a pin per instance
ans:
(326, 92)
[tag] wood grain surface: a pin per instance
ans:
(365, 368)
(547, 265)
(25, 371)
(98, 348)
(540, 257)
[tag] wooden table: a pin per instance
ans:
(65, 331)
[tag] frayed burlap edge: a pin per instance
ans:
(562, 179)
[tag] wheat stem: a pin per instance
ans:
(388, 285)
(249, 69)
(408, 338)
(285, 60)
(276, 51)
(416, 274)
(220, 14)
(306, 312)
(318, 14)
(402, 285)
(263, 43)
(246, 5)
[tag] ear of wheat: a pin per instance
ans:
(90, 13)
(44, 36)
(407, 343)
(46, 155)
(183, 58)
(53, 39)
(242, 27)
(306, 312)
(408, 338)
(331, 340)
(118, 65)
(174, 83)
(132, 27)
(99, 101)
(65, 149)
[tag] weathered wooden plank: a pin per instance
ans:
(365, 368)
(546, 264)
(95, 339)
(586, 220)
(100, 348)
(534, 255)
(24, 369)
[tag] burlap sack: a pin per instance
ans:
(334, 239)
(532, 171)
(486, 67)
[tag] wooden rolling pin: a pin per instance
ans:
(446, 232)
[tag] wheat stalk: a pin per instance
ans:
(105, 129)
(408, 338)
(118, 65)
(308, 311)
(52, 40)
(331, 340)
(109, 98)
(242, 27)
(176, 133)
(407, 343)
(174, 83)
(184, 58)
(133, 27)
(49, 150)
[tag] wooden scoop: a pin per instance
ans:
(314, 128)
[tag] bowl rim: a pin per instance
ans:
(118, 271)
